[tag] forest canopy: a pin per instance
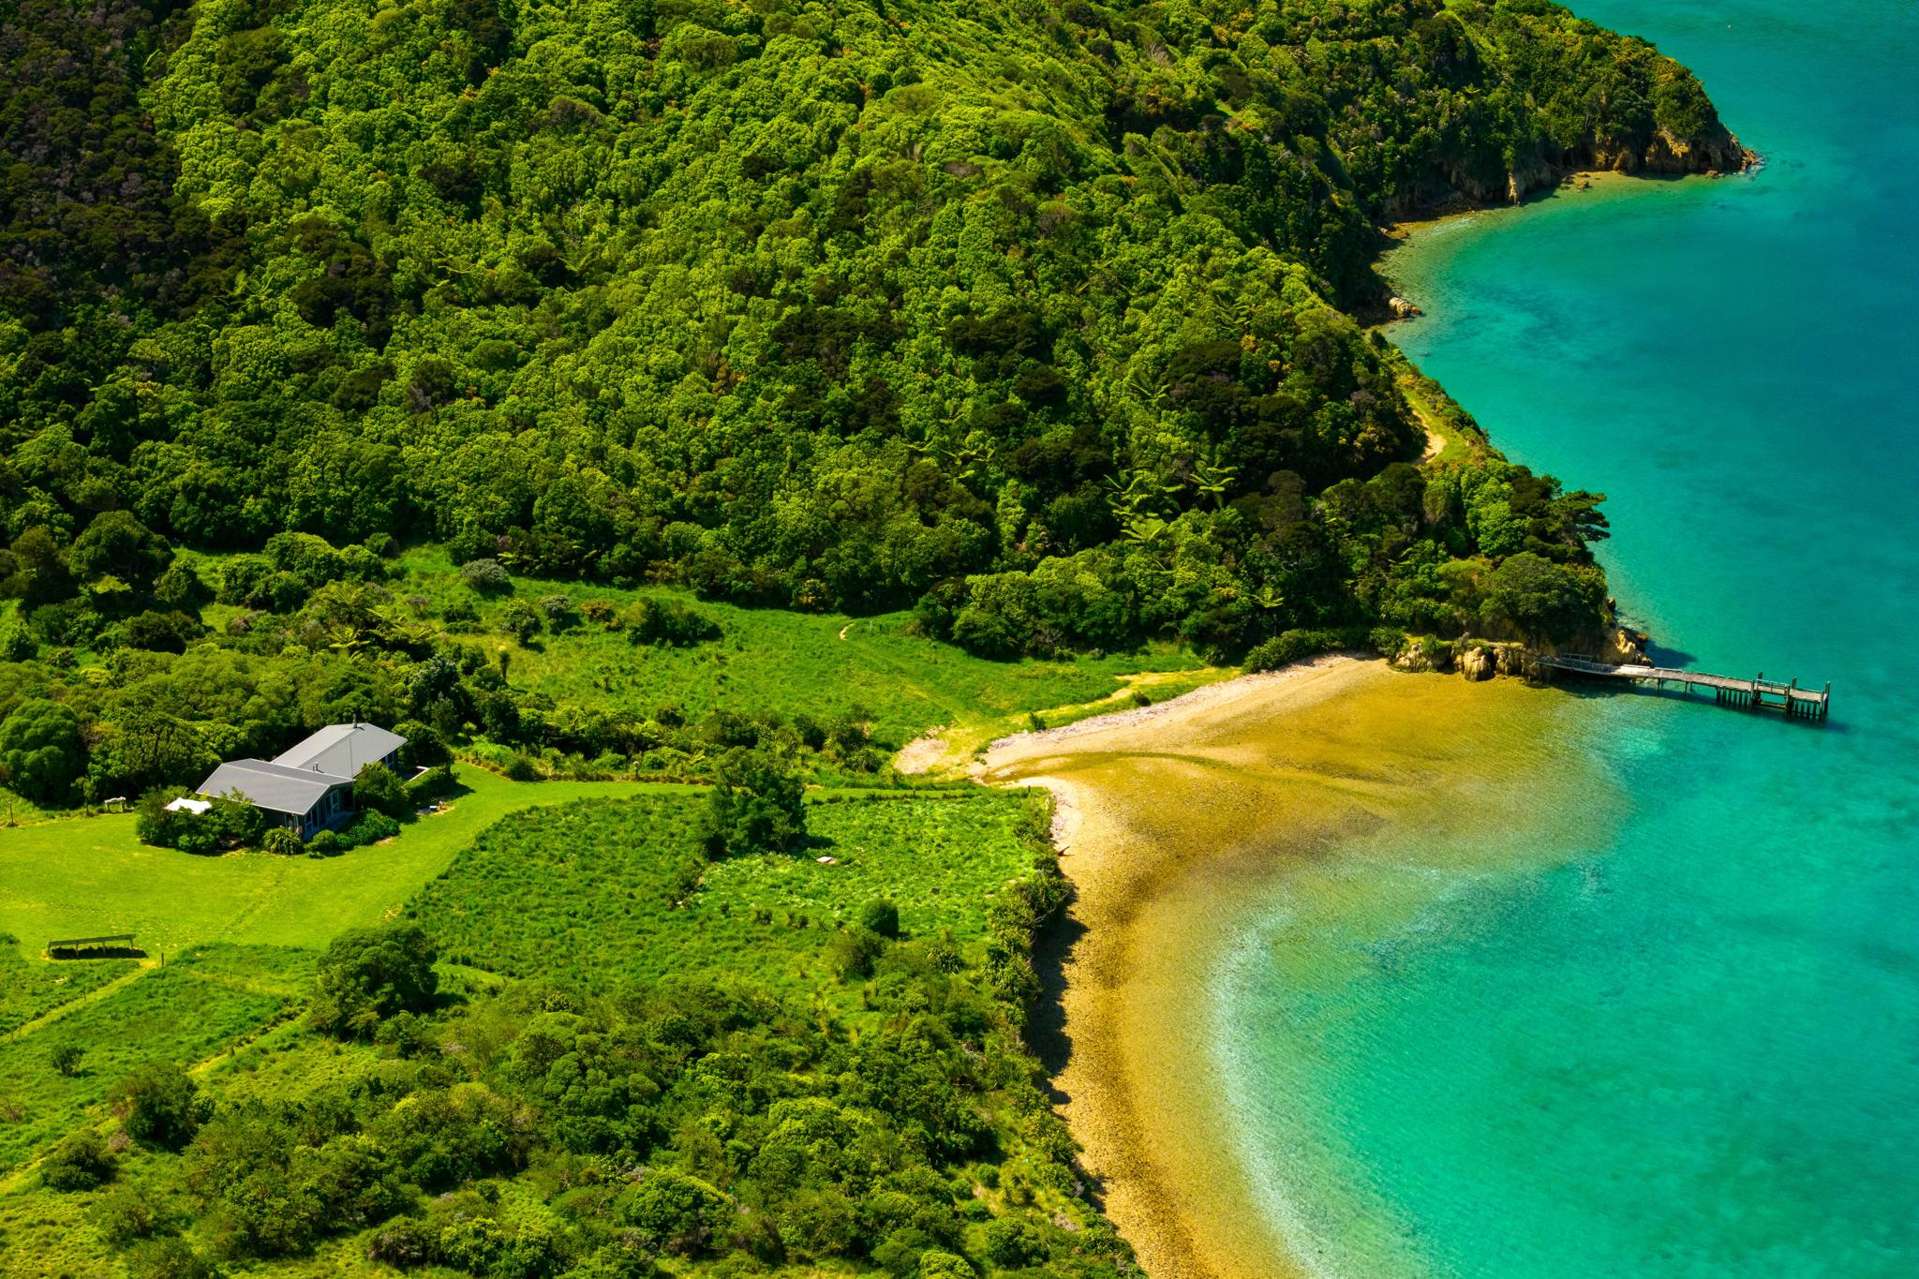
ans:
(1037, 315)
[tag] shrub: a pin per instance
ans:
(1294, 646)
(667, 622)
(159, 1105)
(853, 952)
(155, 824)
(324, 843)
(377, 789)
(124, 1215)
(368, 828)
(371, 973)
(558, 611)
(80, 1162)
(66, 1059)
(521, 620)
(882, 917)
(233, 822)
(198, 838)
(487, 576)
(172, 1258)
(281, 842)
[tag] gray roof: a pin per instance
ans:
(342, 749)
(272, 786)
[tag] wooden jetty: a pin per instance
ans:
(1756, 693)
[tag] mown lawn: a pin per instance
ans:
(87, 875)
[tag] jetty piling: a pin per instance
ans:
(1757, 693)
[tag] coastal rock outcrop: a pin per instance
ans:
(1475, 663)
(1401, 308)
(1710, 149)
(1624, 647)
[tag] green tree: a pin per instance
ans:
(118, 545)
(378, 789)
(371, 973)
(673, 1212)
(1544, 601)
(41, 751)
(36, 568)
(756, 805)
(159, 1105)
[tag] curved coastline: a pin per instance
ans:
(1175, 824)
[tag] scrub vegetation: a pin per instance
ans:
(591, 1047)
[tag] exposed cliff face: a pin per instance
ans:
(1713, 151)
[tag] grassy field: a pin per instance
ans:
(818, 664)
(87, 875)
(31, 987)
(239, 934)
(591, 891)
(607, 886)
(187, 1011)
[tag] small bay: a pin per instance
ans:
(1678, 1035)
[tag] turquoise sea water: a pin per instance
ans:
(1686, 1042)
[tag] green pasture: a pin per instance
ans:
(187, 1011)
(598, 894)
(81, 876)
(817, 664)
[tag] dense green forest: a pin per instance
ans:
(1036, 315)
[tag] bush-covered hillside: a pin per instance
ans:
(1030, 311)
(769, 1066)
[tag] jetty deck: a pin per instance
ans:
(1756, 693)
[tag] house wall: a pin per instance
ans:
(332, 812)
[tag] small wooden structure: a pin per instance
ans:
(107, 946)
(1756, 693)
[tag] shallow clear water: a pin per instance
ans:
(1687, 1042)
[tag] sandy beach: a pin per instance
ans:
(1169, 815)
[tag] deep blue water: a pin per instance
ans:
(1687, 1042)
